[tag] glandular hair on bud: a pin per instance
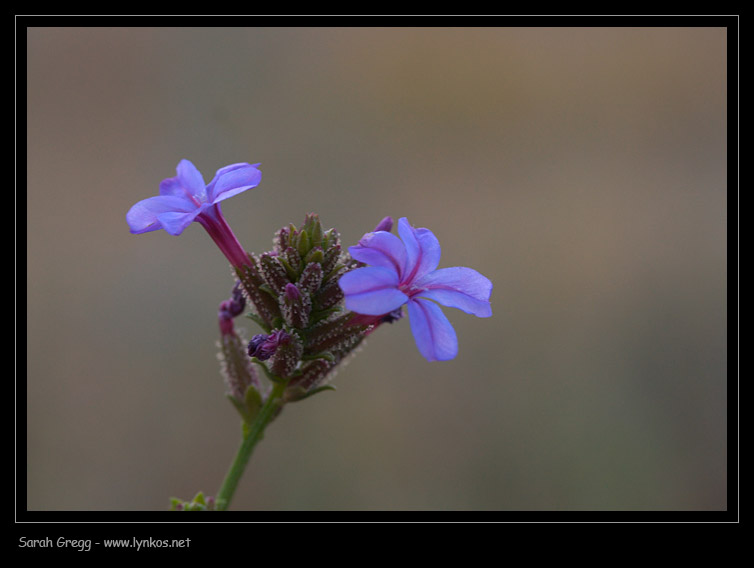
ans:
(235, 366)
(293, 258)
(335, 336)
(296, 307)
(273, 272)
(251, 281)
(287, 356)
(332, 255)
(282, 239)
(311, 278)
(328, 295)
(312, 375)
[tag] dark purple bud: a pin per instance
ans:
(385, 225)
(264, 346)
(231, 308)
(256, 347)
(292, 292)
(237, 302)
(295, 307)
(287, 354)
(224, 319)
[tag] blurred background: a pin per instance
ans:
(582, 170)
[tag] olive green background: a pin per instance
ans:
(583, 170)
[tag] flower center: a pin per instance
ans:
(197, 201)
(409, 289)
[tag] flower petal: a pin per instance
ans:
(172, 187)
(372, 290)
(380, 249)
(433, 333)
(174, 222)
(232, 180)
(191, 179)
(458, 287)
(143, 216)
(422, 250)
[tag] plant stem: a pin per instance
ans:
(253, 435)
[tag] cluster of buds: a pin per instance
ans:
(314, 302)
(296, 300)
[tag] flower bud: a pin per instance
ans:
(273, 272)
(287, 355)
(282, 238)
(295, 307)
(235, 305)
(265, 305)
(293, 258)
(244, 388)
(313, 228)
(312, 375)
(307, 333)
(385, 225)
(260, 348)
(311, 278)
(328, 295)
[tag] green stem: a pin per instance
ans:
(253, 435)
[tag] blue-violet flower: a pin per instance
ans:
(186, 198)
(404, 271)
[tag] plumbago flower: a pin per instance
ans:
(186, 198)
(313, 302)
(405, 272)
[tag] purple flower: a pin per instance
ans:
(186, 198)
(405, 272)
